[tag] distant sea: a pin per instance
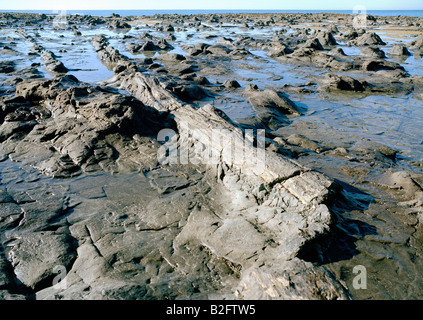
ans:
(123, 13)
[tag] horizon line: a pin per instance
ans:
(349, 9)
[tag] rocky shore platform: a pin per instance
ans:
(219, 156)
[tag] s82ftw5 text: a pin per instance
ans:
(232, 309)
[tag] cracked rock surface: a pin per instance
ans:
(142, 187)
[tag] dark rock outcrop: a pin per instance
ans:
(399, 50)
(367, 39)
(344, 83)
(371, 52)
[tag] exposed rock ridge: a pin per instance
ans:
(272, 199)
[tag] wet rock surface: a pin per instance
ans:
(97, 201)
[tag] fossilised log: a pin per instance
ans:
(256, 184)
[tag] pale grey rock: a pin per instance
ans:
(279, 49)
(373, 52)
(296, 193)
(407, 183)
(298, 140)
(290, 280)
(399, 50)
(418, 43)
(344, 83)
(91, 139)
(7, 295)
(371, 146)
(275, 181)
(326, 38)
(377, 65)
(272, 99)
(52, 64)
(117, 24)
(220, 226)
(35, 256)
(231, 84)
(171, 57)
(313, 44)
(367, 39)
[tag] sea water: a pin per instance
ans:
(106, 13)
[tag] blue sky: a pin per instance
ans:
(210, 4)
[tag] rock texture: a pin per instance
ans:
(367, 39)
(267, 203)
(141, 187)
(399, 50)
(72, 128)
(344, 83)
